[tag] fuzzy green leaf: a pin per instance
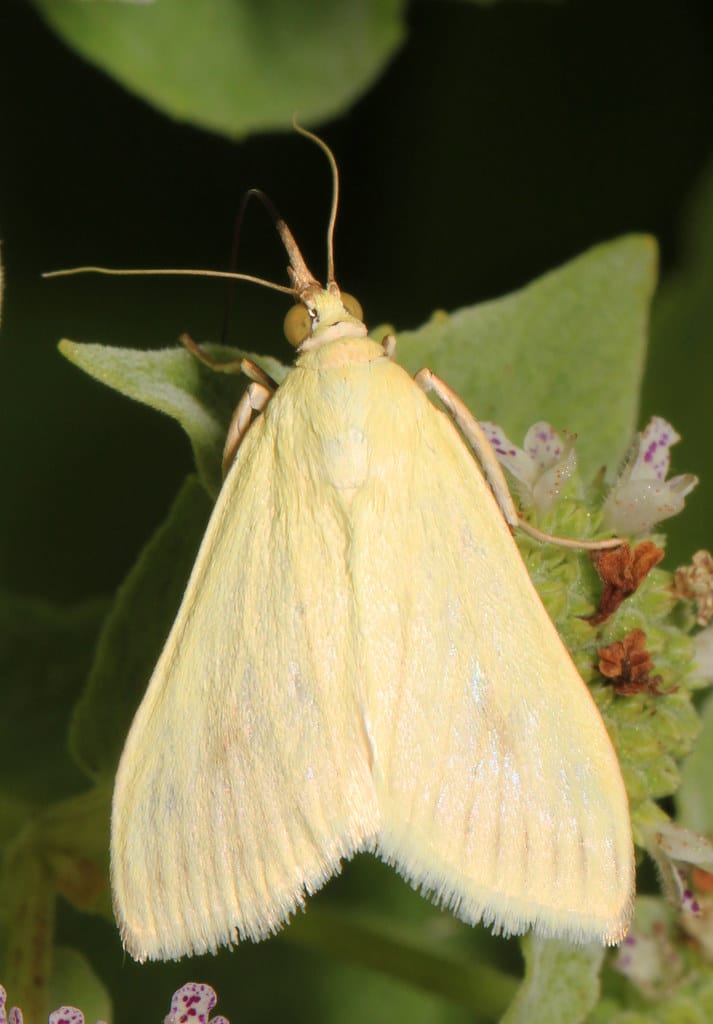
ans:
(366, 940)
(694, 799)
(233, 66)
(135, 632)
(561, 983)
(175, 382)
(74, 983)
(568, 348)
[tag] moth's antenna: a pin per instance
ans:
(302, 276)
(331, 280)
(224, 275)
(299, 271)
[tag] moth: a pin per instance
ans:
(361, 662)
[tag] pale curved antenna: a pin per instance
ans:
(331, 280)
(301, 275)
(225, 275)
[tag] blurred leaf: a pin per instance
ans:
(27, 901)
(45, 656)
(492, 3)
(62, 849)
(561, 983)
(379, 945)
(353, 995)
(234, 66)
(135, 631)
(568, 348)
(74, 983)
(175, 382)
(72, 837)
(682, 358)
(694, 798)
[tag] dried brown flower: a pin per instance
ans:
(627, 664)
(621, 570)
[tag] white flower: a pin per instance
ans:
(64, 1015)
(677, 850)
(648, 956)
(542, 467)
(67, 1015)
(15, 1015)
(193, 1002)
(642, 496)
(687, 876)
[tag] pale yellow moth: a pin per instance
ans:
(361, 662)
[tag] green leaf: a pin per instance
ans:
(135, 632)
(681, 364)
(568, 348)
(72, 839)
(27, 898)
(74, 983)
(561, 983)
(372, 943)
(694, 798)
(45, 655)
(234, 66)
(175, 382)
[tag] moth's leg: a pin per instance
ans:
(246, 366)
(475, 436)
(389, 346)
(256, 373)
(254, 399)
(234, 366)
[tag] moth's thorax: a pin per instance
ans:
(341, 415)
(347, 329)
(345, 350)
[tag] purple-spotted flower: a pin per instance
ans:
(691, 857)
(64, 1015)
(642, 496)
(192, 1005)
(678, 854)
(67, 1015)
(542, 467)
(648, 956)
(14, 1016)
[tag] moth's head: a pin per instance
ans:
(322, 315)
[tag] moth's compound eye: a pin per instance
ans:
(352, 305)
(297, 325)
